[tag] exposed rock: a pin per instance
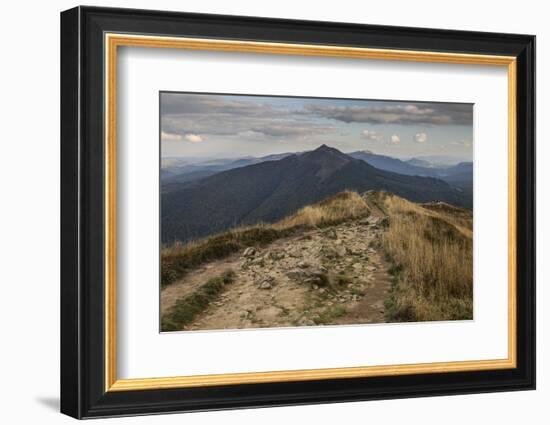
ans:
(257, 261)
(275, 255)
(316, 276)
(373, 220)
(249, 252)
(294, 254)
(266, 284)
(332, 252)
(353, 251)
(295, 274)
(305, 322)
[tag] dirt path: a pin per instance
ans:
(325, 276)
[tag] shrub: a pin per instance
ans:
(330, 314)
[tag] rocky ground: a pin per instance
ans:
(335, 275)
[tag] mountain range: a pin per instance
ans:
(395, 165)
(267, 189)
(175, 171)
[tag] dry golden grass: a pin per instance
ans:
(460, 217)
(343, 206)
(431, 249)
(178, 259)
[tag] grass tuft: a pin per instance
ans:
(342, 279)
(186, 309)
(330, 314)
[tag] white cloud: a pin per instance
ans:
(394, 139)
(396, 113)
(193, 138)
(464, 143)
(371, 135)
(174, 137)
(420, 137)
(170, 136)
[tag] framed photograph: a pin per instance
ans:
(261, 212)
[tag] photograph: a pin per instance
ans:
(283, 211)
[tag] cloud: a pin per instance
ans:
(465, 143)
(170, 136)
(190, 103)
(175, 137)
(420, 138)
(193, 138)
(371, 135)
(395, 113)
(289, 129)
(187, 113)
(394, 139)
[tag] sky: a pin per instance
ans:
(225, 126)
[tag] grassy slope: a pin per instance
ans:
(431, 248)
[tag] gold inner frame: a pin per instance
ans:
(113, 41)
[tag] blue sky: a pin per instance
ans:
(216, 126)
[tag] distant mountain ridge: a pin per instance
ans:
(172, 176)
(419, 163)
(270, 190)
(395, 165)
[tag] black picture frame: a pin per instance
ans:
(83, 392)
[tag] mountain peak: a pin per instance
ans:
(325, 151)
(327, 158)
(325, 148)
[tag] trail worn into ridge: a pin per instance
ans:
(333, 275)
